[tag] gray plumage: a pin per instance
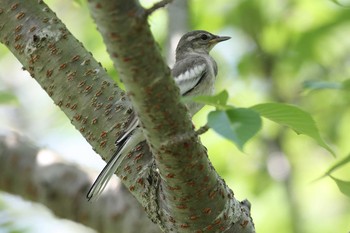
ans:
(194, 72)
(193, 52)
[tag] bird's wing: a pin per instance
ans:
(188, 72)
(134, 122)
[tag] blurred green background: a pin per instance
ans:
(276, 46)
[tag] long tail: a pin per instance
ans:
(124, 147)
(106, 174)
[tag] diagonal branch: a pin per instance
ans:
(25, 170)
(73, 79)
(187, 193)
(190, 196)
(157, 6)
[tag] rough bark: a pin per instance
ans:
(42, 176)
(179, 189)
(190, 196)
(69, 74)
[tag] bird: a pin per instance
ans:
(194, 73)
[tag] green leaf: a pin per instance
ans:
(293, 117)
(318, 85)
(219, 101)
(237, 125)
(8, 98)
(321, 85)
(79, 2)
(344, 186)
(340, 4)
(346, 84)
(338, 164)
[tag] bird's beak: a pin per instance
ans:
(218, 39)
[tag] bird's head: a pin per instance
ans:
(198, 41)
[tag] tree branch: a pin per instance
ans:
(24, 171)
(73, 79)
(178, 25)
(187, 194)
(202, 129)
(68, 73)
(157, 6)
(190, 194)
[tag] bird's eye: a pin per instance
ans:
(204, 37)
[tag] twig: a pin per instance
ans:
(202, 130)
(156, 6)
